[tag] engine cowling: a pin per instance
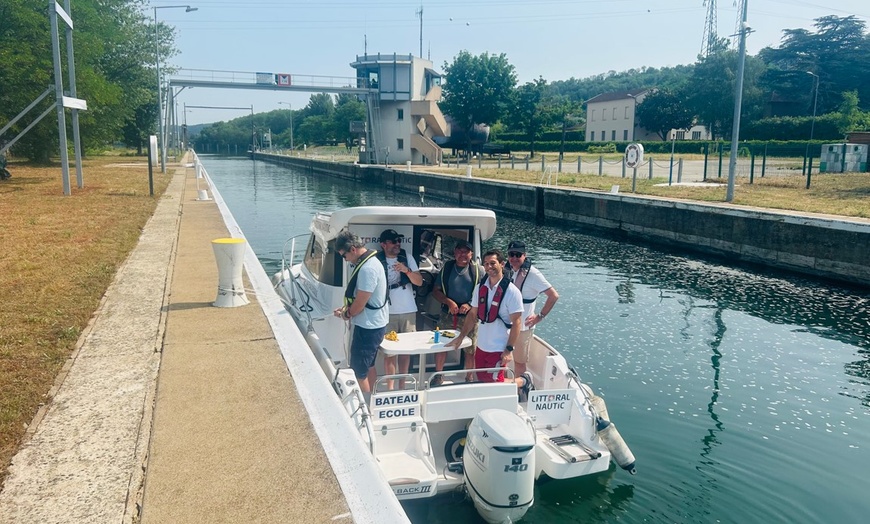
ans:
(499, 464)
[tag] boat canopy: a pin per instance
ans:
(328, 225)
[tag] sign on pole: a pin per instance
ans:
(152, 161)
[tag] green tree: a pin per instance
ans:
(531, 111)
(114, 72)
(837, 51)
(850, 116)
(348, 108)
(710, 90)
(663, 110)
(478, 89)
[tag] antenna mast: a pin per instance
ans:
(420, 14)
(708, 40)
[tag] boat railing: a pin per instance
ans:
(292, 258)
(508, 372)
(361, 412)
(287, 269)
(407, 377)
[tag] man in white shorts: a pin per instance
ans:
(531, 283)
(402, 274)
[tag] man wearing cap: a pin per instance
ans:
(531, 283)
(366, 306)
(454, 287)
(402, 273)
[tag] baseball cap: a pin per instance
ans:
(463, 244)
(391, 235)
(517, 245)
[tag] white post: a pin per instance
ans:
(230, 254)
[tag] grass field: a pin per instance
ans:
(59, 255)
(837, 194)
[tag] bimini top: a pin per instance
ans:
(328, 225)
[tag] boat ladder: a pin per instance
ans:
(564, 444)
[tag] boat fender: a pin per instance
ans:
(599, 406)
(617, 446)
(455, 446)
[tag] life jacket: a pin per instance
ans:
(403, 278)
(351, 284)
(521, 275)
(448, 267)
(490, 314)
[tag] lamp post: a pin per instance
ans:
(288, 104)
(812, 125)
(187, 9)
(633, 116)
(815, 102)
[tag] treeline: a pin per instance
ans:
(325, 120)
(115, 72)
(823, 71)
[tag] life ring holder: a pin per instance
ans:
(633, 155)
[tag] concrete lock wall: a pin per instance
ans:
(836, 248)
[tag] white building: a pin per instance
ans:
(405, 115)
(610, 117)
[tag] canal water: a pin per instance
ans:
(743, 393)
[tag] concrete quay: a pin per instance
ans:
(171, 410)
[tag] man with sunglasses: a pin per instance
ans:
(402, 273)
(365, 306)
(531, 283)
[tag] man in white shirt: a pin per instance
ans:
(402, 274)
(531, 283)
(497, 308)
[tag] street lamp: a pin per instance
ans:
(187, 9)
(633, 116)
(288, 104)
(815, 101)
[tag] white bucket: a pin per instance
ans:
(230, 254)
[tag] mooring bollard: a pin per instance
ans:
(203, 195)
(468, 171)
(230, 255)
(407, 165)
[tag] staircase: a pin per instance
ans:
(427, 148)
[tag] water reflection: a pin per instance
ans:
(729, 384)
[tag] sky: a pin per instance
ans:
(552, 39)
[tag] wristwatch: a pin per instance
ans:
(509, 348)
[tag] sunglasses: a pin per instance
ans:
(515, 254)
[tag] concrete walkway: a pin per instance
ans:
(230, 440)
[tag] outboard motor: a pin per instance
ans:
(499, 463)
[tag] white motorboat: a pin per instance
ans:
(430, 440)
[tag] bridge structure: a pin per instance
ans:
(268, 81)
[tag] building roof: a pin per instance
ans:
(617, 95)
